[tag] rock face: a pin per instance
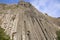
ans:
(23, 22)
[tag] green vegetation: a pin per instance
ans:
(3, 35)
(58, 35)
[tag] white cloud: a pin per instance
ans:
(49, 6)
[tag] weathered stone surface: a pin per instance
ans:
(24, 22)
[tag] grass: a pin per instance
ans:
(58, 35)
(3, 35)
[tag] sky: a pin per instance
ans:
(51, 7)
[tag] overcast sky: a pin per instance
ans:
(51, 7)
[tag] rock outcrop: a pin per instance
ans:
(23, 22)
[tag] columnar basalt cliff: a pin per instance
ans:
(23, 22)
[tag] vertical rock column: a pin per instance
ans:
(21, 27)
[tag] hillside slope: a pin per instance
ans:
(55, 21)
(24, 22)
